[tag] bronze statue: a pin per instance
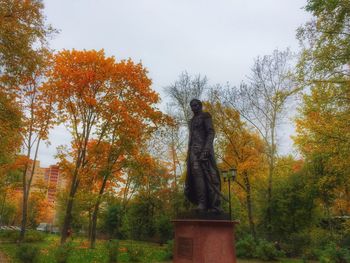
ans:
(202, 186)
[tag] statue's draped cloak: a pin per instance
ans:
(201, 135)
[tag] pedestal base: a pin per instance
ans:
(204, 241)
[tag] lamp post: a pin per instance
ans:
(229, 175)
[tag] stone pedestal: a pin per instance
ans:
(204, 241)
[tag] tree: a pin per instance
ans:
(10, 128)
(38, 119)
(262, 102)
(294, 202)
(23, 60)
(95, 94)
(240, 148)
(323, 133)
(127, 131)
(23, 35)
(152, 199)
(183, 91)
(325, 42)
(323, 121)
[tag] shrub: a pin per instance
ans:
(30, 235)
(169, 249)
(296, 243)
(334, 253)
(9, 235)
(245, 247)
(113, 248)
(267, 251)
(136, 253)
(62, 252)
(164, 229)
(27, 253)
(34, 236)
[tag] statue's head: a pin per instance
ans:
(196, 106)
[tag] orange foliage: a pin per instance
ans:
(110, 109)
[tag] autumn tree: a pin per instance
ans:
(127, 128)
(324, 117)
(23, 60)
(10, 124)
(241, 149)
(325, 42)
(10, 142)
(23, 36)
(262, 102)
(38, 120)
(103, 100)
(323, 134)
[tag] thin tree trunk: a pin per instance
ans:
(272, 153)
(249, 204)
(90, 225)
(26, 191)
(96, 208)
(68, 215)
(24, 211)
(3, 208)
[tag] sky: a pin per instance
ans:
(218, 39)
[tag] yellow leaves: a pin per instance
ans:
(323, 123)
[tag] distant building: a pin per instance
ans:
(52, 176)
(47, 179)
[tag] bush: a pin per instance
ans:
(113, 248)
(9, 235)
(30, 235)
(334, 253)
(136, 253)
(297, 243)
(164, 229)
(62, 252)
(245, 247)
(169, 249)
(267, 251)
(27, 253)
(34, 236)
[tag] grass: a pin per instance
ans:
(82, 253)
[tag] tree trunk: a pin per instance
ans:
(68, 215)
(26, 189)
(95, 212)
(3, 208)
(272, 154)
(94, 223)
(24, 211)
(249, 205)
(90, 225)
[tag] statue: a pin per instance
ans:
(202, 186)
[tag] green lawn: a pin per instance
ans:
(81, 253)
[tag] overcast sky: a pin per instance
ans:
(216, 38)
